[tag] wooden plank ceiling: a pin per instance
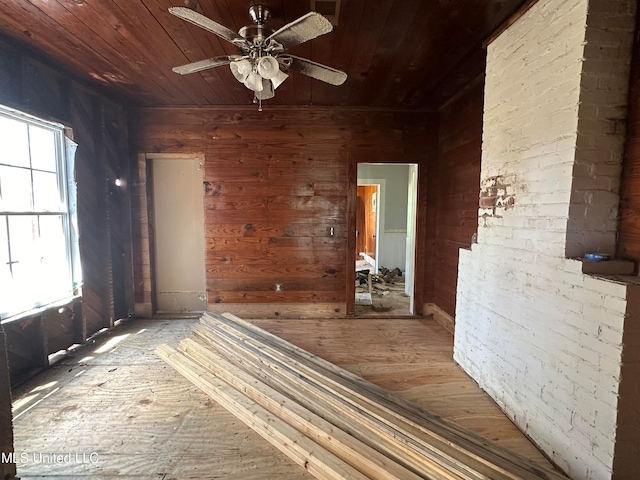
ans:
(397, 53)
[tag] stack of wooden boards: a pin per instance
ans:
(332, 423)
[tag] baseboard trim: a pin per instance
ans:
(441, 317)
(281, 310)
(143, 310)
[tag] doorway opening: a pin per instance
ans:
(385, 224)
(367, 221)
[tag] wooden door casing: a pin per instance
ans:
(360, 224)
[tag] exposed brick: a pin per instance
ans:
(541, 337)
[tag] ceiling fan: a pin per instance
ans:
(262, 63)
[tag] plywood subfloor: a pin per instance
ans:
(144, 421)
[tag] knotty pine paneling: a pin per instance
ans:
(428, 248)
(276, 183)
(629, 229)
(458, 186)
(100, 127)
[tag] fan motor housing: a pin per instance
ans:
(255, 33)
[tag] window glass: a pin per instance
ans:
(54, 275)
(5, 272)
(15, 189)
(23, 232)
(43, 149)
(46, 193)
(15, 142)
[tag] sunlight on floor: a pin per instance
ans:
(30, 401)
(111, 343)
(41, 392)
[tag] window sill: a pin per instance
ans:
(40, 310)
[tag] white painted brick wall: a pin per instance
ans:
(601, 132)
(544, 340)
(550, 360)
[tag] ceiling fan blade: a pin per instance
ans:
(202, 65)
(317, 70)
(303, 29)
(201, 21)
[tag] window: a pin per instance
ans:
(35, 225)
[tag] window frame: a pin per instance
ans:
(63, 210)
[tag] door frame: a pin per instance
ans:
(420, 237)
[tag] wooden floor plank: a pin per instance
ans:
(367, 404)
(177, 432)
(326, 404)
(321, 463)
(139, 416)
(356, 453)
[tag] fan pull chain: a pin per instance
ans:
(259, 57)
(258, 101)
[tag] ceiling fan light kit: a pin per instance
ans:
(241, 69)
(268, 67)
(262, 64)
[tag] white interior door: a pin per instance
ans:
(179, 235)
(412, 208)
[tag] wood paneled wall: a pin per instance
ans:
(7, 468)
(276, 183)
(457, 187)
(629, 239)
(100, 127)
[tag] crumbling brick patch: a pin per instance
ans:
(497, 194)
